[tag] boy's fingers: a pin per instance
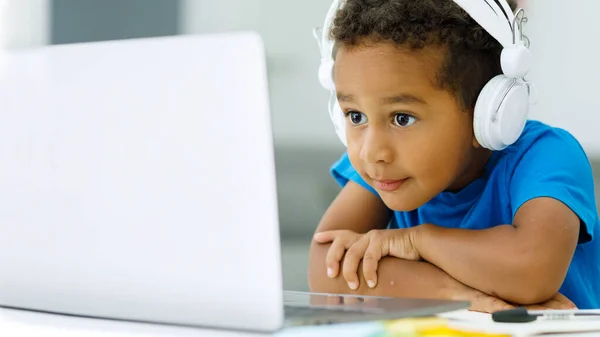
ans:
(371, 262)
(351, 261)
(495, 304)
(329, 236)
(333, 257)
(560, 301)
(485, 303)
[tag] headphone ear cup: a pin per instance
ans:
(501, 112)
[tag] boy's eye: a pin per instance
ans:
(404, 120)
(357, 118)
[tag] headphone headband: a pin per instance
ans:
(495, 20)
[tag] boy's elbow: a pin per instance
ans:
(534, 286)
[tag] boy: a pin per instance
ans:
(498, 228)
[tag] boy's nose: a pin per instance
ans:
(376, 148)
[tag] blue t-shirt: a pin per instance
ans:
(544, 162)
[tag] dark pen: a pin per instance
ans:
(522, 315)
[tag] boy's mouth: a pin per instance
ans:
(388, 185)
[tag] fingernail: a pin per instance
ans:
(353, 285)
(371, 283)
(330, 272)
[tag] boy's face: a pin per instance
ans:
(407, 138)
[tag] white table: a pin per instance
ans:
(17, 323)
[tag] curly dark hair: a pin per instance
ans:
(472, 54)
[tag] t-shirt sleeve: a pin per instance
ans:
(556, 166)
(342, 171)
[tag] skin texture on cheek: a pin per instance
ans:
(436, 152)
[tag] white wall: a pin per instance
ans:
(24, 23)
(299, 103)
(564, 40)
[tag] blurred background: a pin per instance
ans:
(563, 36)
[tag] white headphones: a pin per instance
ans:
(502, 106)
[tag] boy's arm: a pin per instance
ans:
(552, 194)
(404, 278)
(524, 263)
(359, 210)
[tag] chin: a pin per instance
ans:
(401, 204)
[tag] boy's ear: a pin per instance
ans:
(475, 142)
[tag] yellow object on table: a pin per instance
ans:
(428, 327)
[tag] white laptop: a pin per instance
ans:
(137, 182)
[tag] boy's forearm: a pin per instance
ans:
(497, 261)
(397, 278)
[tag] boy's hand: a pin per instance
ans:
(480, 302)
(340, 240)
(370, 248)
(485, 303)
